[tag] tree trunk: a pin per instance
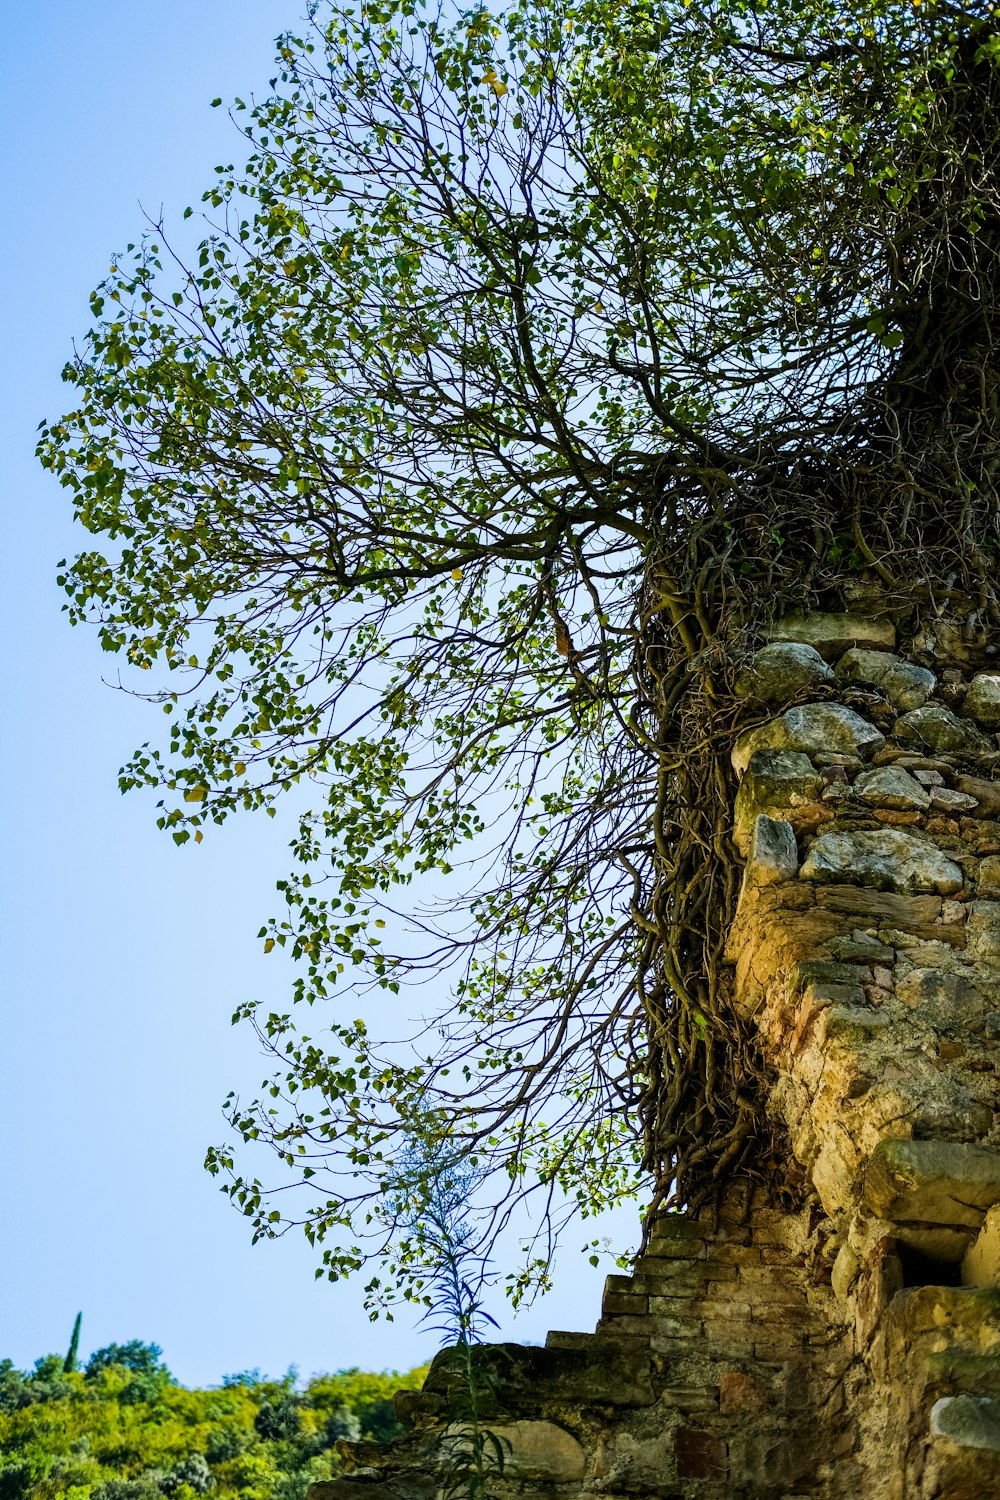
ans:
(849, 1346)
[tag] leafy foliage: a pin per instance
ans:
(142, 1359)
(86, 1439)
(532, 356)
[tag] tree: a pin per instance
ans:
(71, 1361)
(530, 363)
(142, 1359)
(77, 1436)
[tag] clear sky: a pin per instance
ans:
(124, 956)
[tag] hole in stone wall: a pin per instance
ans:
(924, 1270)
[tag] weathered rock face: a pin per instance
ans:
(702, 1379)
(982, 701)
(775, 674)
(853, 1349)
(940, 730)
(832, 635)
(815, 728)
(906, 685)
(781, 782)
(885, 859)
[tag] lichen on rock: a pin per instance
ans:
(893, 787)
(886, 858)
(813, 728)
(775, 673)
(937, 727)
(906, 685)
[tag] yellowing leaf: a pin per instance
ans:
(240, 768)
(269, 945)
(497, 85)
(457, 574)
(196, 794)
(198, 836)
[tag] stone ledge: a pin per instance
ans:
(932, 1182)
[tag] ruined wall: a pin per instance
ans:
(852, 1349)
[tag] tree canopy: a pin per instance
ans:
(110, 1434)
(530, 357)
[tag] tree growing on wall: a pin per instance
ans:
(530, 363)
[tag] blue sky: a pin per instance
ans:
(124, 956)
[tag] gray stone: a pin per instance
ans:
(886, 858)
(927, 778)
(823, 971)
(968, 1421)
(936, 1182)
(891, 786)
(940, 997)
(853, 1024)
(946, 800)
(868, 949)
(832, 635)
(823, 993)
(914, 760)
(940, 729)
(982, 700)
(773, 854)
(776, 673)
(906, 685)
(774, 781)
(815, 728)
(529, 1375)
(531, 1450)
(366, 1484)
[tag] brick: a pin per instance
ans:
(691, 1398)
(739, 1392)
(773, 1296)
(678, 1249)
(700, 1455)
(661, 1266)
(719, 1290)
(728, 1333)
(720, 1270)
(629, 1323)
(784, 1315)
(673, 1228)
(778, 1345)
(616, 1304)
(674, 1307)
(685, 1279)
(742, 1255)
(670, 1347)
(762, 1275)
(738, 1312)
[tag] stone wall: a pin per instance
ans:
(867, 939)
(851, 1350)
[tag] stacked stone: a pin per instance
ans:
(747, 1349)
(703, 1382)
(723, 1369)
(852, 1349)
(867, 942)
